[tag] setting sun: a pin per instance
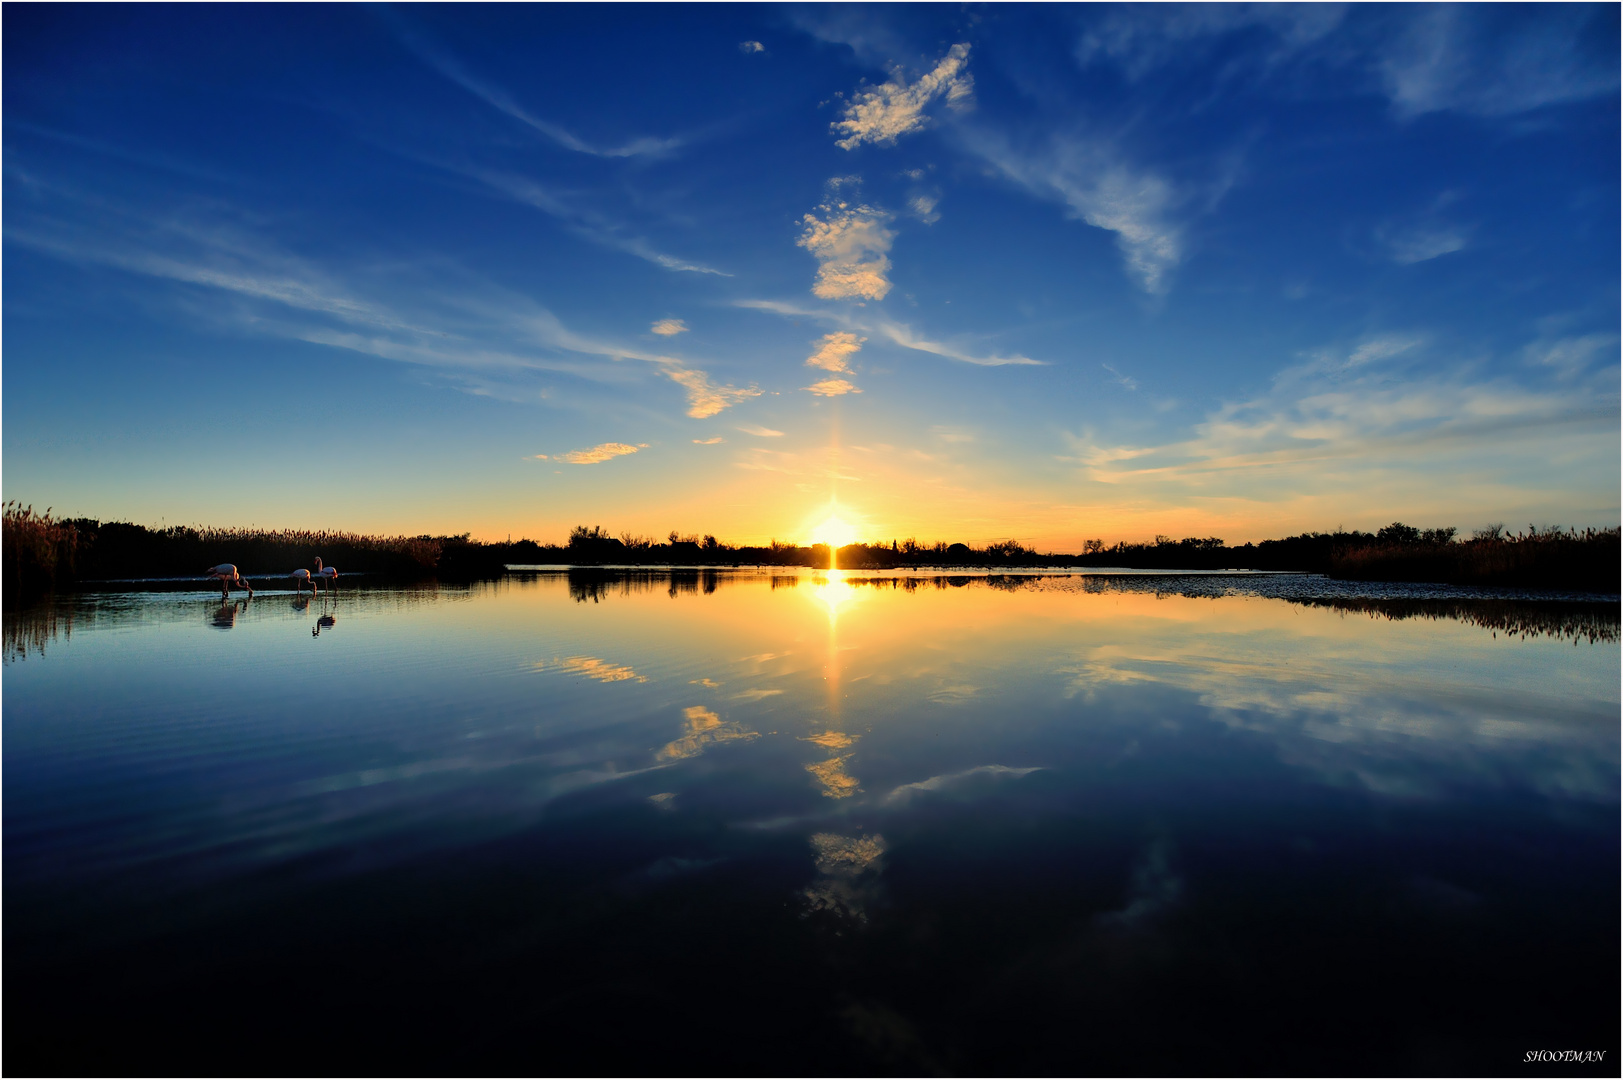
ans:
(835, 531)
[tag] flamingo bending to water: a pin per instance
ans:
(301, 576)
(227, 575)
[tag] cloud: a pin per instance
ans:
(1496, 62)
(600, 452)
(903, 335)
(894, 108)
(705, 400)
(850, 244)
(1378, 430)
(500, 100)
(1124, 381)
(923, 208)
(832, 388)
(1141, 41)
(898, 333)
(1419, 244)
(747, 47)
(762, 432)
(713, 440)
(669, 327)
(586, 224)
(1101, 189)
(834, 352)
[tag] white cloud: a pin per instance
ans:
(599, 453)
(1495, 64)
(1373, 431)
(923, 208)
(1408, 246)
(835, 351)
(832, 388)
(748, 47)
(896, 108)
(704, 399)
(713, 440)
(763, 432)
(850, 244)
(1126, 382)
(1103, 191)
(669, 327)
(903, 335)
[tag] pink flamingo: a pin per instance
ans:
(301, 576)
(326, 573)
(227, 576)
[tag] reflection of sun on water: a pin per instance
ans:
(835, 593)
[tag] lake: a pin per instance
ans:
(802, 822)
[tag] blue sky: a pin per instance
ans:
(968, 273)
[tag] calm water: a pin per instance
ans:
(811, 823)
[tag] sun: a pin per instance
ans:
(835, 531)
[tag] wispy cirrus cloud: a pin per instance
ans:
(896, 107)
(454, 70)
(479, 327)
(759, 431)
(595, 455)
(850, 243)
(669, 327)
(897, 333)
(1100, 187)
(587, 224)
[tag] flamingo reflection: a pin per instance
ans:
(226, 617)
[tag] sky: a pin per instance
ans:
(963, 273)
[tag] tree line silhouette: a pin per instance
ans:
(40, 551)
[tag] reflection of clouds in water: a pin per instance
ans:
(959, 781)
(1396, 732)
(593, 668)
(663, 800)
(1153, 889)
(711, 683)
(837, 783)
(755, 695)
(833, 740)
(847, 872)
(703, 727)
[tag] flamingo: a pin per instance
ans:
(326, 573)
(301, 576)
(227, 575)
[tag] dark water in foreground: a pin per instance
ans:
(800, 823)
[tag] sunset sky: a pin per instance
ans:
(965, 273)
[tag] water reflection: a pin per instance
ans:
(1052, 808)
(702, 727)
(593, 668)
(848, 869)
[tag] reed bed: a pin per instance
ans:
(36, 549)
(1554, 558)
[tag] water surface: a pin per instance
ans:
(795, 822)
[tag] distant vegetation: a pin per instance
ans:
(40, 552)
